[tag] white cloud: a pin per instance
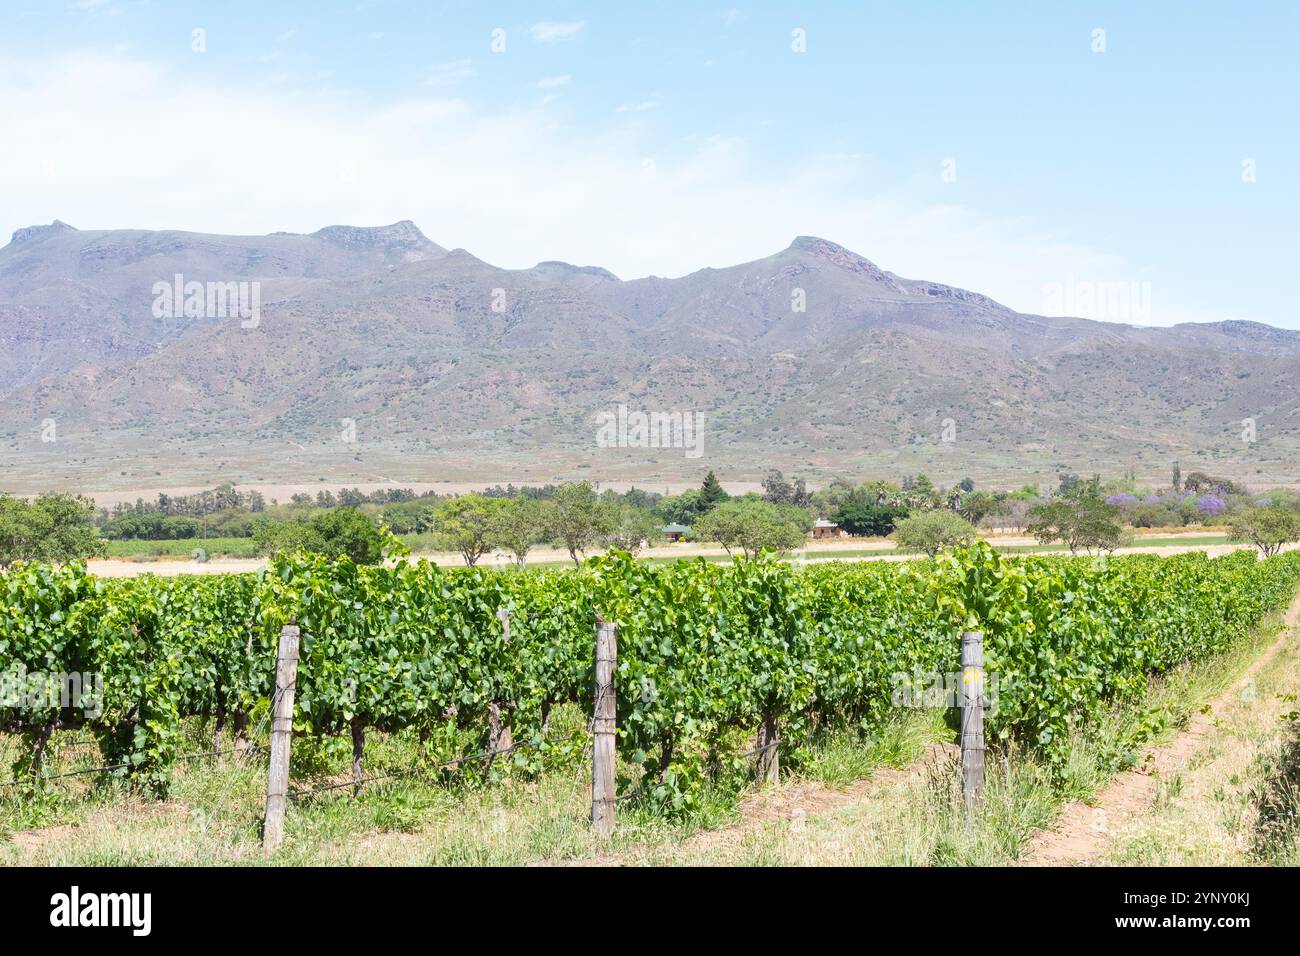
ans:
(102, 142)
(548, 31)
(288, 35)
(377, 35)
(450, 73)
(550, 82)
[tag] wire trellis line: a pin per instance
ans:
(41, 778)
(415, 771)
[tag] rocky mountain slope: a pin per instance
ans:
(442, 365)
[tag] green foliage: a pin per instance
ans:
(519, 524)
(712, 493)
(578, 521)
(706, 651)
(150, 527)
(629, 528)
(1267, 527)
(340, 532)
(750, 525)
(1079, 516)
(860, 518)
(977, 505)
(781, 492)
(469, 524)
(931, 531)
(680, 509)
(54, 528)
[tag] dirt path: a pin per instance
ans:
(791, 803)
(797, 802)
(1084, 832)
(813, 553)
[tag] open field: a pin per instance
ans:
(135, 550)
(225, 555)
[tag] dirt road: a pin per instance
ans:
(814, 552)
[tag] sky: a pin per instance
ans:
(1122, 161)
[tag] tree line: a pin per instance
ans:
(1089, 515)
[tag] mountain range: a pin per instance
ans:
(377, 354)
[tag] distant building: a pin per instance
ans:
(826, 529)
(674, 532)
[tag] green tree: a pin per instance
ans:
(680, 509)
(297, 534)
(749, 525)
(468, 523)
(347, 531)
(1079, 516)
(629, 528)
(976, 505)
(918, 492)
(1267, 527)
(1178, 477)
(860, 518)
(55, 528)
(932, 531)
(520, 524)
(712, 493)
(578, 520)
(337, 533)
(1025, 493)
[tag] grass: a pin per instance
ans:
(182, 548)
(517, 814)
(1237, 800)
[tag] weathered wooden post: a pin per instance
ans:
(603, 725)
(277, 780)
(768, 765)
(972, 718)
(358, 728)
(500, 736)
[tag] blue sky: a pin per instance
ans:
(661, 138)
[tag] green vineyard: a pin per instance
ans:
(704, 650)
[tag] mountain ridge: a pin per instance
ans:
(440, 356)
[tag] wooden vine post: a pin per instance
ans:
(277, 780)
(767, 747)
(500, 737)
(358, 728)
(972, 718)
(603, 724)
